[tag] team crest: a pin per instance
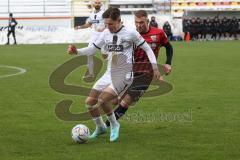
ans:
(154, 38)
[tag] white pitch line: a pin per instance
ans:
(21, 71)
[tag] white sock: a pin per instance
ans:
(99, 122)
(112, 120)
(90, 64)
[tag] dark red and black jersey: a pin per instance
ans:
(156, 38)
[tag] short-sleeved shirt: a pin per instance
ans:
(96, 20)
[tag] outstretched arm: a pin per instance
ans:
(86, 25)
(152, 59)
(90, 50)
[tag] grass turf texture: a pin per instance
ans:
(206, 87)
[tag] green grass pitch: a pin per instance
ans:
(198, 120)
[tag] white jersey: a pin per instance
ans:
(96, 20)
(120, 48)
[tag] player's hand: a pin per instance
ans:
(167, 68)
(104, 56)
(72, 49)
(161, 78)
(156, 73)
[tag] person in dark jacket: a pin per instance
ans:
(234, 25)
(167, 29)
(153, 22)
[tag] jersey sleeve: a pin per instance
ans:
(100, 41)
(89, 20)
(137, 38)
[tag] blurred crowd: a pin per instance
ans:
(166, 27)
(211, 28)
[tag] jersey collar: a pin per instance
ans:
(119, 29)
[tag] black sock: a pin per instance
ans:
(119, 112)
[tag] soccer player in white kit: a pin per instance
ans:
(118, 43)
(95, 21)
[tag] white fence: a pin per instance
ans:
(31, 8)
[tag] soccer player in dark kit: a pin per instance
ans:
(11, 28)
(143, 74)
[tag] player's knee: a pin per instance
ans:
(90, 101)
(104, 102)
(101, 101)
(127, 100)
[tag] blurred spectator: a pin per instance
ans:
(167, 29)
(211, 28)
(153, 22)
(234, 28)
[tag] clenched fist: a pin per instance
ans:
(72, 49)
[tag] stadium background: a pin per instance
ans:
(198, 120)
(43, 21)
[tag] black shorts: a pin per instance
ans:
(140, 84)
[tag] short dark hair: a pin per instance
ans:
(141, 13)
(10, 14)
(112, 13)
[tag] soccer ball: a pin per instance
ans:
(80, 133)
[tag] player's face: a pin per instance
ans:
(141, 24)
(113, 26)
(97, 4)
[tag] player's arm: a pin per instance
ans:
(14, 22)
(152, 59)
(90, 50)
(86, 25)
(169, 54)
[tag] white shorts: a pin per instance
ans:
(119, 84)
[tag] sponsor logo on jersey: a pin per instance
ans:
(115, 48)
(95, 21)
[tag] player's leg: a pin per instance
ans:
(122, 107)
(135, 91)
(14, 37)
(91, 103)
(116, 89)
(90, 67)
(104, 101)
(235, 34)
(8, 34)
(90, 62)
